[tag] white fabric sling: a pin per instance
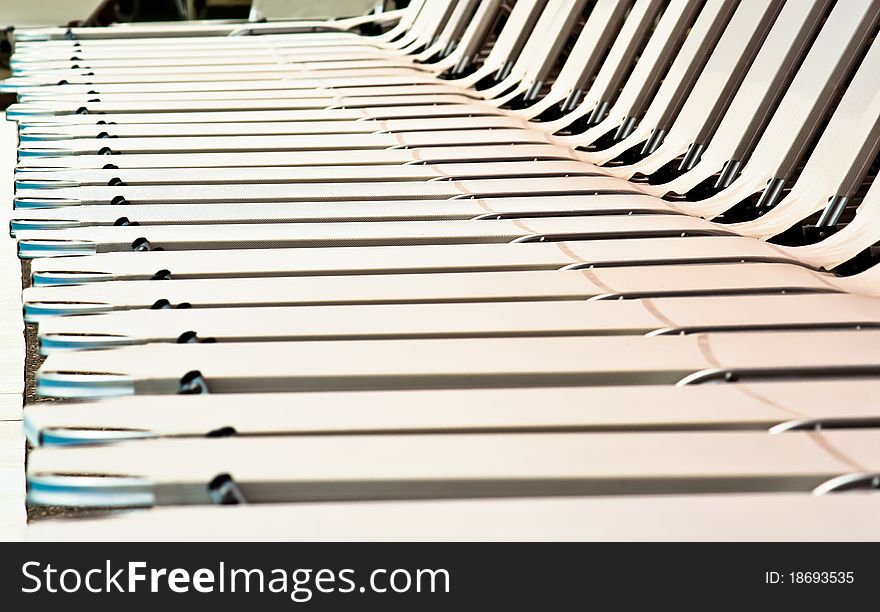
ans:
(367, 126)
(317, 191)
(697, 46)
(505, 43)
(41, 180)
(779, 406)
(630, 282)
(421, 259)
(528, 206)
(859, 234)
(465, 320)
(537, 51)
(742, 37)
(780, 146)
(88, 240)
(840, 159)
(601, 25)
(278, 469)
(335, 158)
(620, 55)
(766, 79)
(646, 74)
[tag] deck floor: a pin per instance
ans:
(12, 356)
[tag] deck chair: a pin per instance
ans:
(522, 207)
(365, 125)
(419, 259)
(778, 407)
(609, 283)
(663, 316)
(301, 159)
(454, 363)
(83, 241)
(43, 179)
(337, 468)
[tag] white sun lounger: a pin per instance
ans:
(522, 207)
(582, 284)
(668, 316)
(284, 469)
(778, 407)
(422, 259)
(456, 363)
(88, 240)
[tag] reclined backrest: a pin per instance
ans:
(541, 48)
(509, 42)
(602, 24)
(596, 88)
(830, 59)
(840, 160)
(775, 65)
(650, 128)
(716, 85)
